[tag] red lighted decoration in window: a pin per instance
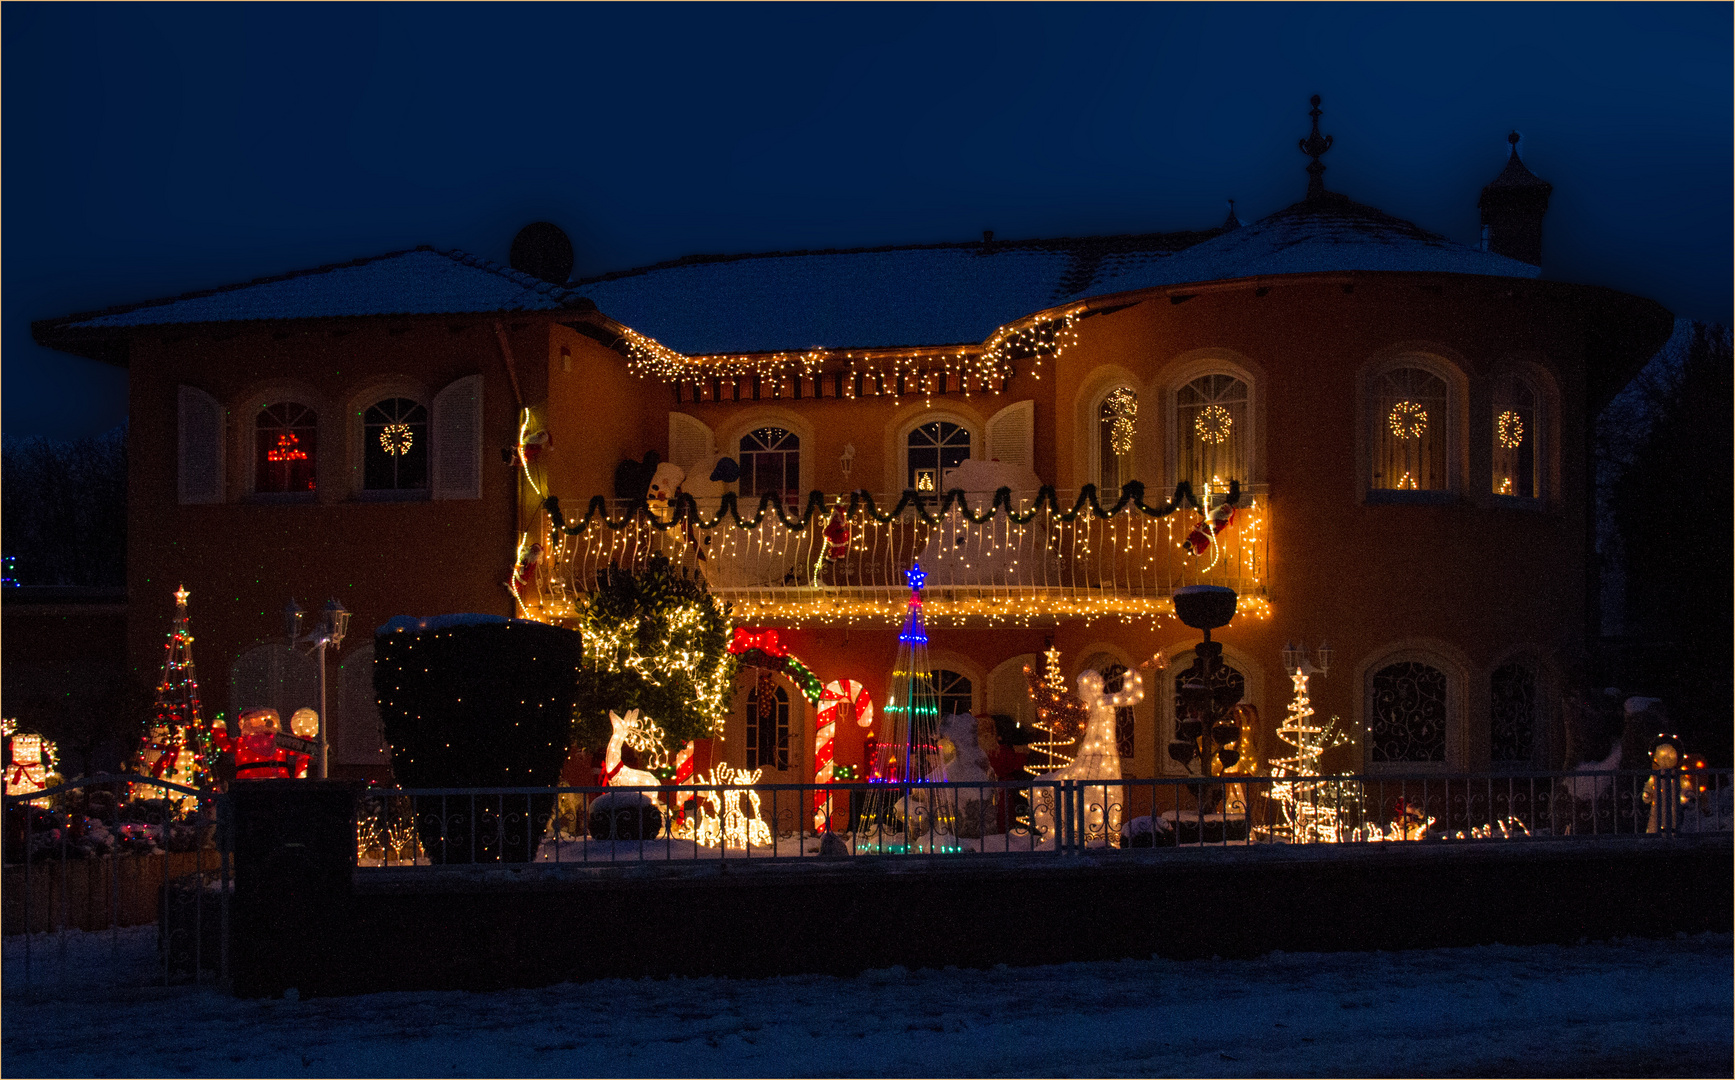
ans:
(285, 451)
(288, 449)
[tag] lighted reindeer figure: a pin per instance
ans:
(644, 735)
(725, 824)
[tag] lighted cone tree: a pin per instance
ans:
(1310, 808)
(894, 817)
(176, 746)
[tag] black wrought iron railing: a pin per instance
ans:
(585, 825)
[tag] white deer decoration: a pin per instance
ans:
(614, 772)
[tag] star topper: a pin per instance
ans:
(181, 595)
(916, 576)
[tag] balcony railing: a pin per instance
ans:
(1006, 557)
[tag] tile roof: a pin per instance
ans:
(933, 294)
(420, 281)
(953, 294)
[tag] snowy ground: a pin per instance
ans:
(1626, 1008)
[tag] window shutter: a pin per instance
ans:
(359, 737)
(455, 426)
(199, 458)
(1012, 435)
(690, 440)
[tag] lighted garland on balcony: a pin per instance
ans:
(686, 511)
(913, 372)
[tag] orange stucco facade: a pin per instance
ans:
(1467, 578)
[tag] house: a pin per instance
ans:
(1405, 420)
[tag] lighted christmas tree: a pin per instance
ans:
(177, 743)
(1060, 715)
(1311, 809)
(908, 750)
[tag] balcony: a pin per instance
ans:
(1034, 559)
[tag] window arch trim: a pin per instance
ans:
(1373, 420)
(901, 457)
(249, 409)
(356, 406)
(1167, 392)
(729, 435)
(1456, 669)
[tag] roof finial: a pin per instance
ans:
(1313, 146)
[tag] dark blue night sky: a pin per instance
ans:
(155, 149)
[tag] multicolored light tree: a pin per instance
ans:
(176, 745)
(908, 751)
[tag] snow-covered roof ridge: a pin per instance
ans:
(946, 294)
(415, 281)
(1333, 234)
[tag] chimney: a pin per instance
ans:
(1512, 207)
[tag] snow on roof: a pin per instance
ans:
(421, 281)
(926, 295)
(953, 294)
(1331, 235)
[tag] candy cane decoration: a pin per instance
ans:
(850, 698)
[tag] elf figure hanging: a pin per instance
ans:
(176, 746)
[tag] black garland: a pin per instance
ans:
(687, 511)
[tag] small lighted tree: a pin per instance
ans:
(176, 745)
(1306, 816)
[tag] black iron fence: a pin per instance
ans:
(117, 874)
(749, 820)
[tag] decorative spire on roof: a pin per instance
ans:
(1513, 205)
(1313, 146)
(1516, 175)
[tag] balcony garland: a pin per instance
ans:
(687, 511)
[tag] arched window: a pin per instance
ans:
(1116, 418)
(1228, 687)
(768, 726)
(1411, 430)
(1407, 713)
(395, 446)
(286, 448)
(1113, 681)
(1212, 431)
(770, 461)
(1517, 435)
(933, 448)
(956, 693)
(1512, 715)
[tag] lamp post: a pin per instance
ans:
(333, 624)
(1206, 722)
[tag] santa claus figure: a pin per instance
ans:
(1201, 536)
(257, 755)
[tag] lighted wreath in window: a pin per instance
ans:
(1117, 419)
(1211, 430)
(286, 448)
(1411, 431)
(1515, 442)
(395, 446)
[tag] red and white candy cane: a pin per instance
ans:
(683, 773)
(842, 698)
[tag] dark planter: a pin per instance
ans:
(477, 702)
(1205, 607)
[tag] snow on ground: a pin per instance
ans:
(1623, 1008)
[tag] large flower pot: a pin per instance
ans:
(477, 702)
